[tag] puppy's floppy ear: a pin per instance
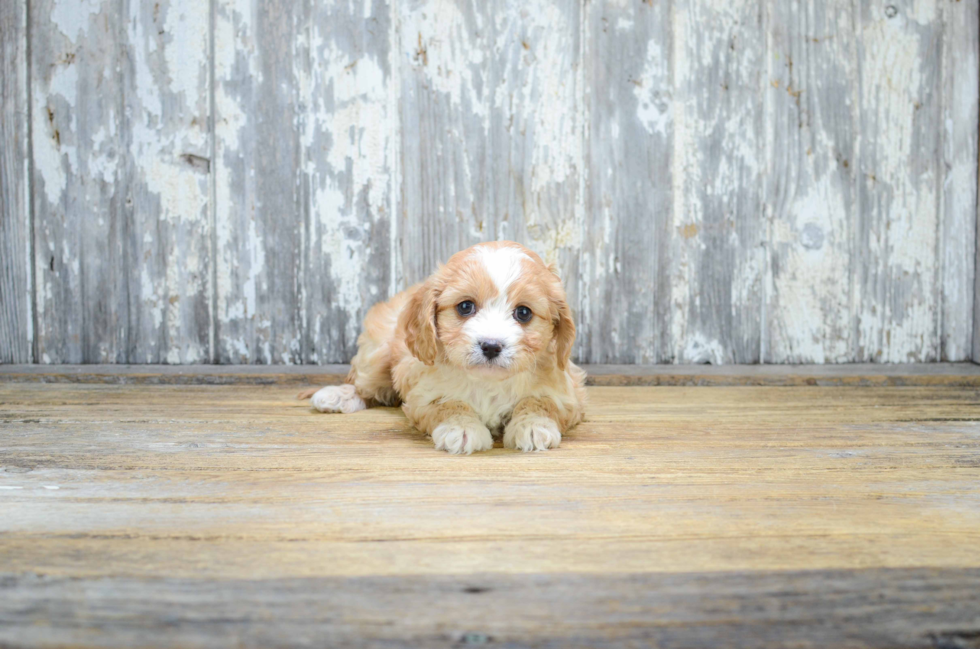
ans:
(419, 322)
(564, 331)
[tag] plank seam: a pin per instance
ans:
(940, 191)
(974, 334)
(32, 253)
(768, 211)
(396, 280)
(859, 375)
(305, 188)
(212, 192)
(855, 222)
(584, 187)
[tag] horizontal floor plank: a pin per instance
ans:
(871, 608)
(859, 374)
(186, 515)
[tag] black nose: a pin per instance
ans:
(491, 349)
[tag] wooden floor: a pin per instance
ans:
(199, 516)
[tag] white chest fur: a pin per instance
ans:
(493, 400)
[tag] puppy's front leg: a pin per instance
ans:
(453, 425)
(533, 426)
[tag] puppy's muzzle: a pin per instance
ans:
(491, 349)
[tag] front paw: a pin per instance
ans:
(532, 434)
(462, 437)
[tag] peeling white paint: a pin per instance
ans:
(812, 325)
(55, 155)
(901, 325)
(516, 64)
(72, 16)
(441, 42)
(187, 26)
(698, 349)
(652, 90)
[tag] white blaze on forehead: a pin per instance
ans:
(502, 264)
(495, 321)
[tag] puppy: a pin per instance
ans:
(480, 348)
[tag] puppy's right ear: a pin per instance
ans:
(419, 323)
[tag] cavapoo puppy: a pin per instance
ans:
(480, 348)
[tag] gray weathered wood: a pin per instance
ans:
(811, 102)
(717, 264)
(536, 131)
(719, 182)
(960, 118)
(491, 134)
(897, 284)
(445, 98)
(120, 181)
(875, 608)
(16, 292)
(260, 210)
(844, 374)
(626, 301)
(349, 146)
(79, 220)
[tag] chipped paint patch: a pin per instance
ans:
(653, 91)
(72, 16)
(443, 44)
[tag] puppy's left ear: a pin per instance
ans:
(564, 332)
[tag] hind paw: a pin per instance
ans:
(337, 398)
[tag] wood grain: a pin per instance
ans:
(120, 159)
(811, 190)
(685, 516)
(261, 212)
(852, 374)
(82, 302)
(922, 608)
(349, 152)
(898, 186)
(961, 99)
(717, 265)
(490, 130)
(626, 302)
(732, 183)
(16, 291)
(444, 102)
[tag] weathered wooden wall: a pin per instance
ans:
(237, 181)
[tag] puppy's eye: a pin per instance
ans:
(522, 314)
(465, 308)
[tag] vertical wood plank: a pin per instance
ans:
(626, 314)
(536, 132)
(16, 315)
(260, 211)
(898, 282)
(491, 130)
(960, 119)
(445, 105)
(165, 67)
(78, 197)
(812, 96)
(119, 92)
(349, 145)
(717, 259)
